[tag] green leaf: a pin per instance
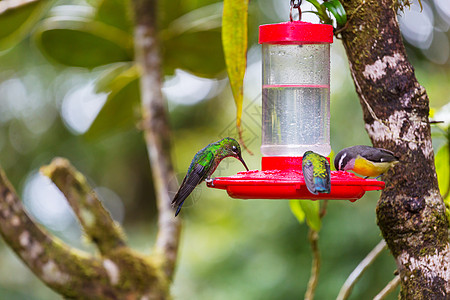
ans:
(208, 17)
(200, 53)
(79, 42)
(321, 11)
(198, 34)
(116, 13)
(234, 39)
(121, 109)
(338, 11)
(297, 210)
(311, 209)
(104, 83)
(17, 18)
(307, 209)
(442, 169)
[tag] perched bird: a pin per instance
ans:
(203, 165)
(365, 160)
(316, 171)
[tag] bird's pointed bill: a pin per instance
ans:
(243, 162)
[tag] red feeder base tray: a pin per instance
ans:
(289, 183)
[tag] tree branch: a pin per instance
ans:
(156, 129)
(389, 288)
(313, 237)
(68, 271)
(346, 289)
(95, 220)
(410, 212)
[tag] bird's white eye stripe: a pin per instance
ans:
(342, 160)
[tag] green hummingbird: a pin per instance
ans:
(316, 172)
(203, 165)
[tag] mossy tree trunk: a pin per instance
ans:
(410, 212)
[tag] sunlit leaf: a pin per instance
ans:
(17, 18)
(311, 209)
(105, 82)
(79, 42)
(442, 169)
(307, 209)
(234, 39)
(121, 109)
(338, 11)
(297, 210)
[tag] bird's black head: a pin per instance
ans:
(342, 159)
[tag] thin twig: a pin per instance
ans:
(323, 209)
(346, 289)
(313, 237)
(241, 139)
(389, 288)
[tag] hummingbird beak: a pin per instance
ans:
(242, 161)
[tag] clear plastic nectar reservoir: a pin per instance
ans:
(296, 88)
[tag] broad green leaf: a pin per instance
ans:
(200, 53)
(198, 34)
(116, 13)
(17, 18)
(234, 39)
(338, 11)
(311, 209)
(297, 210)
(307, 209)
(121, 109)
(79, 42)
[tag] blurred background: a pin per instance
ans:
(68, 88)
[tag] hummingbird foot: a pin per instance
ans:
(210, 181)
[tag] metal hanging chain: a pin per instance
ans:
(295, 4)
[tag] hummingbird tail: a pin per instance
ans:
(322, 185)
(179, 208)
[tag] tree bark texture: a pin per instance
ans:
(410, 212)
(156, 129)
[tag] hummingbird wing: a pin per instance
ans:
(308, 175)
(196, 173)
(325, 186)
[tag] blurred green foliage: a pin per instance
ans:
(231, 249)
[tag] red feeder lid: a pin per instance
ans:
(295, 32)
(288, 183)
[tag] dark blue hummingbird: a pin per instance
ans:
(203, 165)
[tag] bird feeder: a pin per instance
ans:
(295, 117)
